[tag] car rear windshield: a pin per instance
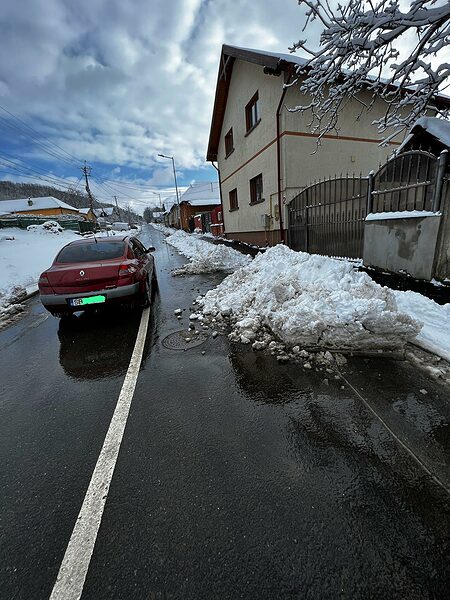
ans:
(92, 252)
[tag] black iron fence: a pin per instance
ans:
(405, 182)
(328, 216)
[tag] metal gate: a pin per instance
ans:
(328, 217)
(404, 183)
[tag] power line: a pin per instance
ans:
(49, 144)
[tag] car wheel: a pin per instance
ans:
(147, 294)
(63, 314)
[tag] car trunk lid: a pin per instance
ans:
(88, 277)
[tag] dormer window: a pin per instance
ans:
(252, 117)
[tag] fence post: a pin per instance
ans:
(439, 181)
(306, 229)
(371, 177)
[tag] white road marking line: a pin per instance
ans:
(72, 573)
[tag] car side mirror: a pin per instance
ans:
(151, 249)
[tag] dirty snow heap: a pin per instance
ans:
(309, 301)
(205, 257)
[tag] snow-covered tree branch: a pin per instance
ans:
(360, 48)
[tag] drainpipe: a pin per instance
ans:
(280, 206)
(220, 193)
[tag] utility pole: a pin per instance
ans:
(87, 171)
(176, 185)
(117, 206)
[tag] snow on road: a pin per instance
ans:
(309, 301)
(163, 229)
(23, 256)
(205, 257)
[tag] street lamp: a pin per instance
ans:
(176, 185)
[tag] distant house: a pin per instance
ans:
(44, 206)
(88, 214)
(202, 197)
(266, 154)
(105, 212)
(171, 218)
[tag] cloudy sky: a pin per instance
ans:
(115, 82)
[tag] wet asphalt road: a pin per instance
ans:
(237, 477)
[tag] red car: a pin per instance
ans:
(90, 273)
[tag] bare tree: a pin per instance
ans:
(360, 40)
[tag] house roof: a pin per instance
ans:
(106, 211)
(438, 129)
(202, 193)
(84, 211)
(273, 62)
(41, 203)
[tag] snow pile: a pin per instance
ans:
(47, 227)
(204, 256)
(309, 301)
(163, 229)
(23, 256)
(435, 333)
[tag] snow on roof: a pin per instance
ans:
(202, 194)
(106, 211)
(84, 211)
(291, 58)
(33, 204)
(437, 128)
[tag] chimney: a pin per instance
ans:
(30, 202)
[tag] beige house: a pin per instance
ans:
(265, 153)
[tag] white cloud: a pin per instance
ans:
(120, 82)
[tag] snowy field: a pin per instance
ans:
(24, 255)
(309, 301)
(205, 257)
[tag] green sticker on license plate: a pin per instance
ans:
(90, 300)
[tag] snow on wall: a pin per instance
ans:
(402, 214)
(310, 301)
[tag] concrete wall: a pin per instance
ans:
(403, 246)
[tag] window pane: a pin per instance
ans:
(91, 252)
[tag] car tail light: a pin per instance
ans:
(125, 270)
(43, 279)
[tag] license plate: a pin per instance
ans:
(84, 301)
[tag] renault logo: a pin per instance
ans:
(82, 273)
